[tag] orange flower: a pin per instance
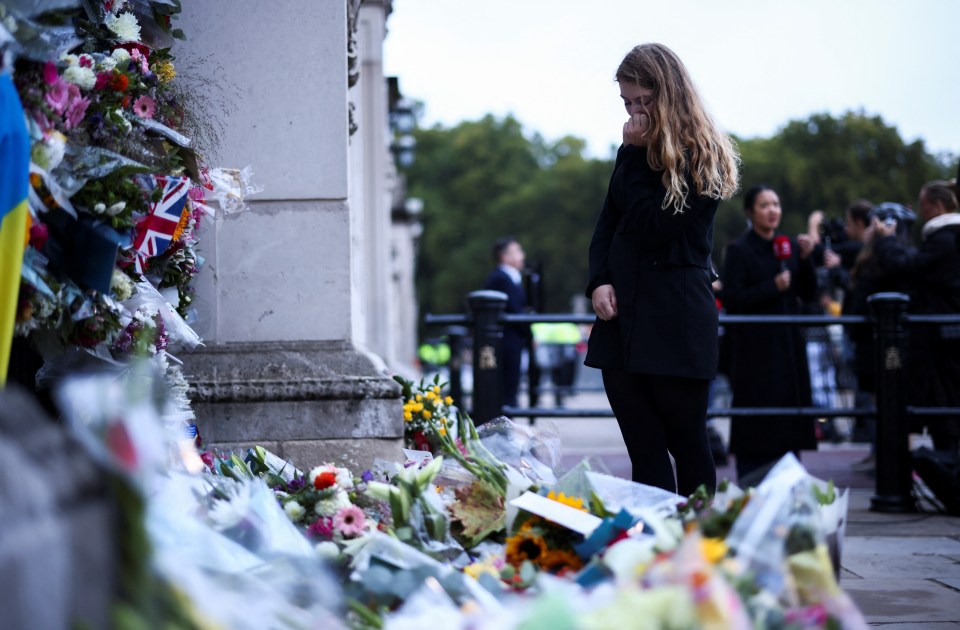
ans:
(119, 82)
(560, 561)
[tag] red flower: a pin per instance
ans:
(131, 46)
(38, 235)
(125, 103)
(421, 442)
(324, 480)
(119, 82)
(207, 458)
(323, 527)
(103, 80)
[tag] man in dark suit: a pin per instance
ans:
(508, 278)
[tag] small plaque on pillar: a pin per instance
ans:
(891, 359)
(488, 358)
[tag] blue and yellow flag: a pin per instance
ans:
(14, 182)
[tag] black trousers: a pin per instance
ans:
(661, 416)
(512, 354)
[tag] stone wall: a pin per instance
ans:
(290, 300)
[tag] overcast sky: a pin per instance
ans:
(757, 63)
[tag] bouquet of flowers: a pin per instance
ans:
(117, 188)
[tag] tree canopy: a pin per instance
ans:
(481, 180)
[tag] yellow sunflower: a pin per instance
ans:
(560, 561)
(571, 501)
(525, 546)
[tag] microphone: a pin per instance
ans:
(782, 250)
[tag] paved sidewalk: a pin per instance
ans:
(903, 570)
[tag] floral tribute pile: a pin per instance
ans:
(117, 187)
(482, 533)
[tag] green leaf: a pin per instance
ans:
(479, 510)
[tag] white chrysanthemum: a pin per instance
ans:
(120, 283)
(329, 507)
(83, 78)
(344, 479)
(120, 55)
(72, 60)
(108, 63)
(294, 510)
(327, 550)
(124, 26)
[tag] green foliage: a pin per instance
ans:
(484, 179)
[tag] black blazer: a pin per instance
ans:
(658, 262)
(498, 280)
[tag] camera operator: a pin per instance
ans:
(933, 362)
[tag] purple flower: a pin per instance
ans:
(124, 341)
(297, 484)
(367, 475)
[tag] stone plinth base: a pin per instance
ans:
(307, 402)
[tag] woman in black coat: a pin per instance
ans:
(768, 362)
(655, 337)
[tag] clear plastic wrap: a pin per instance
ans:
(115, 415)
(247, 564)
(636, 498)
(534, 451)
(231, 187)
(177, 329)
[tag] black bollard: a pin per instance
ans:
(455, 337)
(486, 308)
(894, 468)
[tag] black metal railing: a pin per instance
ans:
(485, 320)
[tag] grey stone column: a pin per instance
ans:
(279, 300)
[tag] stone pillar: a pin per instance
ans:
(279, 298)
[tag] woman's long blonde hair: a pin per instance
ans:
(683, 136)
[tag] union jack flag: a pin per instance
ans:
(156, 231)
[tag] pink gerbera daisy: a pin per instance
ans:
(144, 107)
(350, 521)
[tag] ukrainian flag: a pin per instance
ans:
(14, 182)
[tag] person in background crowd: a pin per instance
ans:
(507, 278)
(556, 353)
(655, 338)
(867, 278)
(933, 359)
(768, 363)
(836, 246)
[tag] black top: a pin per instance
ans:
(768, 363)
(498, 280)
(658, 262)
